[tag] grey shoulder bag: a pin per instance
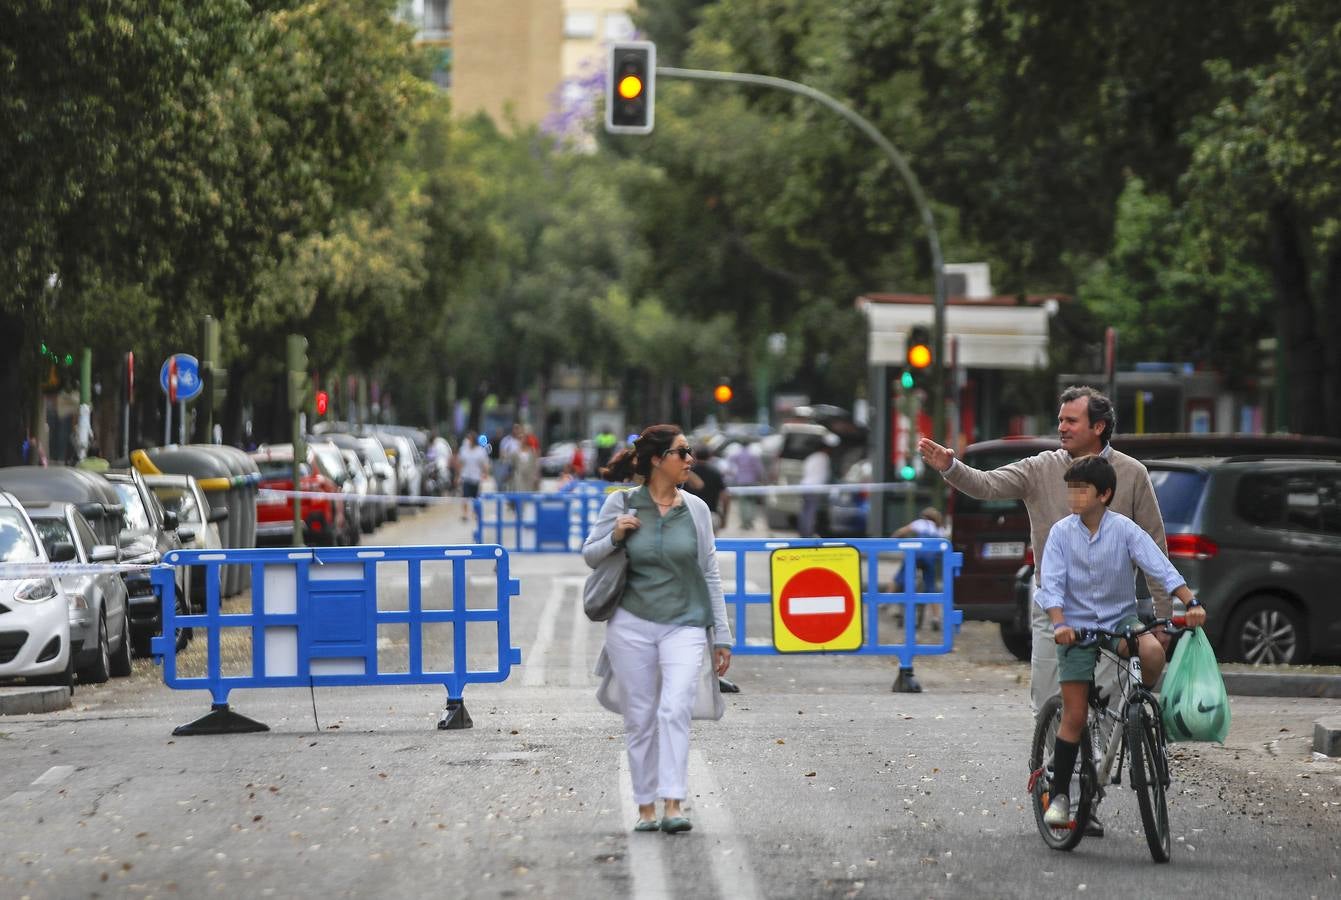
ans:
(605, 585)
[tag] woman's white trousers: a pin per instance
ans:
(658, 668)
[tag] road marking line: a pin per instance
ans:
(815, 606)
(579, 670)
(728, 854)
(54, 775)
(533, 669)
(646, 865)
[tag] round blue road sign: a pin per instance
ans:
(189, 383)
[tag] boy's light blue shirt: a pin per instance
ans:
(1091, 577)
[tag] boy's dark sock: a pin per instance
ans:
(1063, 763)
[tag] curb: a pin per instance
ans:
(1327, 737)
(19, 701)
(1253, 684)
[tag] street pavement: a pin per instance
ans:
(819, 782)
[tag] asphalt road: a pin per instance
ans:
(819, 782)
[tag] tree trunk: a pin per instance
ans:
(1331, 338)
(1297, 327)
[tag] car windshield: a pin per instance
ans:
(52, 532)
(16, 541)
(137, 517)
(276, 471)
(329, 461)
(180, 500)
(1179, 494)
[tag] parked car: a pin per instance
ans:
(96, 498)
(98, 601)
(993, 535)
(35, 623)
(1259, 541)
(404, 457)
(331, 462)
(323, 520)
(150, 533)
(197, 521)
(362, 484)
(382, 474)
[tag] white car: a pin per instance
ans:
(34, 612)
(99, 618)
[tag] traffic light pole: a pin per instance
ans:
(914, 187)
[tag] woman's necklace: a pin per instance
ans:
(664, 507)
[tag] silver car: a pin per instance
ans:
(197, 526)
(99, 626)
(34, 624)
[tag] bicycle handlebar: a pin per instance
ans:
(1088, 637)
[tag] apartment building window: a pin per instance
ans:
(577, 24)
(437, 15)
(619, 27)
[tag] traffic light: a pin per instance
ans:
(907, 472)
(323, 402)
(723, 393)
(919, 349)
(906, 380)
(630, 89)
(297, 363)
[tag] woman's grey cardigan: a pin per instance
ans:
(600, 544)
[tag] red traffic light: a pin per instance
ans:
(323, 402)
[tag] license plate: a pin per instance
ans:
(1003, 550)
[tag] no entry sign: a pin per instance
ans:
(816, 599)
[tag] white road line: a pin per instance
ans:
(728, 855)
(646, 865)
(579, 670)
(533, 669)
(54, 775)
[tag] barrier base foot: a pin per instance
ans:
(455, 716)
(727, 687)
(221, 720)
(907, 682)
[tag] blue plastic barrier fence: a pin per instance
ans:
(744, 594)
(534, 522)
(315, 617)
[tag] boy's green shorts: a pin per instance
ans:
(1077, 663)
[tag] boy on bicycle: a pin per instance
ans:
(1088, 582)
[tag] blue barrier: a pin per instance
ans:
(314, 622)
(534, 522)
(739, 598)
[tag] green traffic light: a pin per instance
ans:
(906, 380)
(44, 348)
(907, 473)
(69, 359)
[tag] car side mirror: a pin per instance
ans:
(217, 514)
(103, 553)
(170, 520)
(62, 551)
(186, 535)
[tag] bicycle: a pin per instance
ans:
(1135, 732)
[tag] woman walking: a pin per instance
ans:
(672, 605)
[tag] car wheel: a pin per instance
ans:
(1019, 642)
(100, 670)
(120, 662)
(1265, 630)
(183, 635)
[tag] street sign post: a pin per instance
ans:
(180, 380)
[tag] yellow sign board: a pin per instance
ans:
(816, 599)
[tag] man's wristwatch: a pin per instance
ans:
(1193, 603)
(1058, 625)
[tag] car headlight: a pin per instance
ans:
(77, 602)
(36, 590)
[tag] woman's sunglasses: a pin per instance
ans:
(682, 452)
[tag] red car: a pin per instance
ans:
(323, 520)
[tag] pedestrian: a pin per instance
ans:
(747, 470)
(1088, 560)
(472, 465)
(816, 470)
(706, 481)
(1086, 421)
(509, 447)
(605, 447)
(928, 524)
(672, 608)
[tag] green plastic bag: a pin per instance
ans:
(1196, 707)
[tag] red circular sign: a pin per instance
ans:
(817, 605)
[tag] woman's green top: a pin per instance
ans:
(665, 583)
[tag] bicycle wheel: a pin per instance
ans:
(1040, 779)
(1147, 779)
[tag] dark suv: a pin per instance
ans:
(993, 535)
(1259, 541)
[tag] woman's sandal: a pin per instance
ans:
(646, 825)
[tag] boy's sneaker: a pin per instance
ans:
(1058, 814)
